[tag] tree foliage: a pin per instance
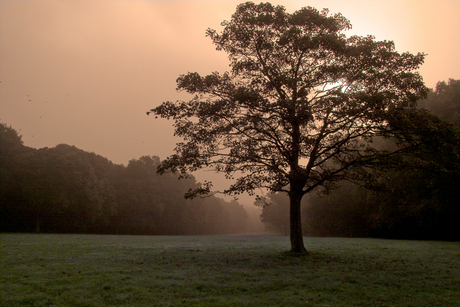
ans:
(418, 199)
(297, 110)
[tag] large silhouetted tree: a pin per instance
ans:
(298, 109)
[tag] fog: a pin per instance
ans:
(85, 72)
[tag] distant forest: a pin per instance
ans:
(67, 190)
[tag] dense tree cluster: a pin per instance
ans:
(67, 190)
(416, 198)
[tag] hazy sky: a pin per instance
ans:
(84, 72)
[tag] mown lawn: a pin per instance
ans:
(241, 270)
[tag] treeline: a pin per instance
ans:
(416, 198)
(67, 190)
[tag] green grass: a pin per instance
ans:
(251, 270)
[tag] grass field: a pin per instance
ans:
(241, 270)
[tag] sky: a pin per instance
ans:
(84, 72)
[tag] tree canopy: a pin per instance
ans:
(299, 108)
(416, 200)
(444, 101)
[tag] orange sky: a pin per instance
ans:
(83, 72)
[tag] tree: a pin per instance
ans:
(299, 108)
(444, 101)
(11, 148)
(275, 212)
(10, 144)
(60, 189)
(431, 172)
(150, 204)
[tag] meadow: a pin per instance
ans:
(235, 270)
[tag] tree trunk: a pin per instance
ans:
(297, 183)
(297, 245)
